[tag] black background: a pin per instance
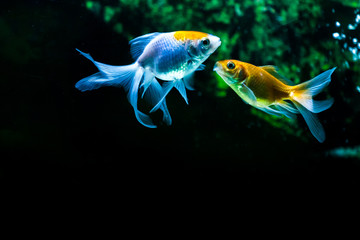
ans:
(55, 137)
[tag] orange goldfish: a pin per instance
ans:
(265, 89)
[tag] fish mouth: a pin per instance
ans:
(216, 67)
(219, 70)
(218, 43)
(215, 40)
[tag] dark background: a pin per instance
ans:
(54, 136)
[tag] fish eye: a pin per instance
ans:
(205, 42)
(230, 65)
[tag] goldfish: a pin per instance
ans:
(172, 57)
(267, 90)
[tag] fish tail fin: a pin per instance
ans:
(304, 92)
(128, 77)
(302, 96)
(313, 122)
(108, 75)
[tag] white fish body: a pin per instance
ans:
(172, 57)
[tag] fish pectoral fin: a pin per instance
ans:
(249, 94)
(137, 45)
(201, 67)
(189, 81)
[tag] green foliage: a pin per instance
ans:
(349, 3)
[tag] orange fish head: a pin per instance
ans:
(231, 71)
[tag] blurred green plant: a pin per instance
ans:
(261, 32)
(349, 3)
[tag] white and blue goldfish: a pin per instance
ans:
(172, 57)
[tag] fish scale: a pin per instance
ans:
(171, 63)
(266, 87)
(261, 90)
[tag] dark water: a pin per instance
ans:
(52, 135)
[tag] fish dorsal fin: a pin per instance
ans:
(274, 71)
(137, 45)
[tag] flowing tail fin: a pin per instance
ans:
(118, 76)
(128, 77)
(302, 96)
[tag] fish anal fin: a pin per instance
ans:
(287, 109)
(273, 70)
(180, 86)
(271, 111)
(166, 87)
